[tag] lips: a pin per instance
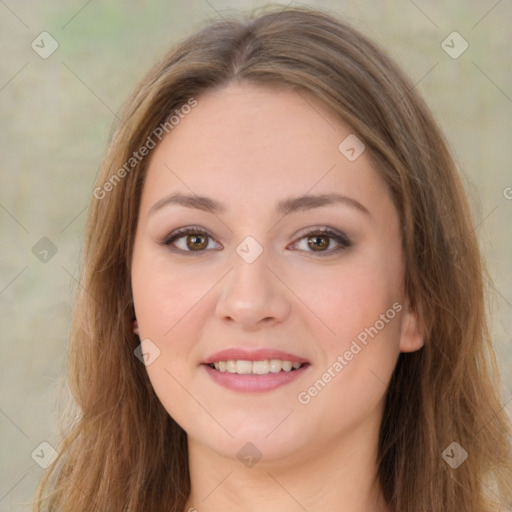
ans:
(240, 354)
(258, 370)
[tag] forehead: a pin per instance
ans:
(251, 144)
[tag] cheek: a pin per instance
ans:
(166, 297)
(361, 305)
(352, 298)
(358, 361)
(166, 306)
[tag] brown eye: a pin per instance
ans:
(323, 241)
(197, 242)
(191, 240)
(318, 242)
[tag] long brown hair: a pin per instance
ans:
(121, 451)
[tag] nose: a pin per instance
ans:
(252, 295)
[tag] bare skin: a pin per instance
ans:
(307, 294)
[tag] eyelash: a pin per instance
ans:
(340, 238)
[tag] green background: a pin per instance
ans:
(56, 115)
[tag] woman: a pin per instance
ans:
(282, 302)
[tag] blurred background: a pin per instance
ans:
(65, 70)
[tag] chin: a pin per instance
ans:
(265, 439)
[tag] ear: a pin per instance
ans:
(411, 337)
(136, 327)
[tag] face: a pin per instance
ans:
(261, 247)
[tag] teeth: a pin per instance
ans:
(260, 367)
(275, 365)
(243, 367)
(287, 366)
(255, 367)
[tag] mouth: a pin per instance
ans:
(251, 371)
(262, 367)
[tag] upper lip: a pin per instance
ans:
(260, 354)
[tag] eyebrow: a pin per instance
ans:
(284, 207)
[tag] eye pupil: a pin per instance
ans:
(323, 244)
(196, 242)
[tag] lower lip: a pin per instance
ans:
(254, 383)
